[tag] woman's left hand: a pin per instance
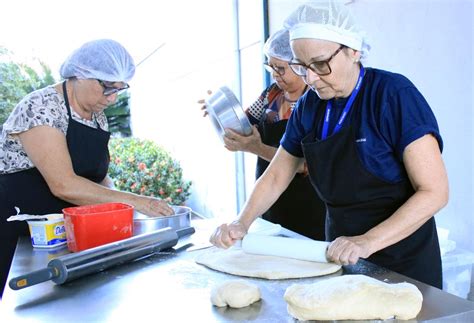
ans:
(236, 142)
(203, 104)
(348, 250)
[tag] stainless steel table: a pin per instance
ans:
(171, 287)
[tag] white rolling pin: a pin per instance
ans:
(302, 249)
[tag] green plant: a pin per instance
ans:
(143, 167)
(17, 80)
(118, 116)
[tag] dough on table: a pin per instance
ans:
(236, 262)
(353, 297)
(236, 293)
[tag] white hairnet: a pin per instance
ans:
(278, 46)
(327, 20)
(102, 59)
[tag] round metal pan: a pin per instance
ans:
(143, 223)
(226, 112)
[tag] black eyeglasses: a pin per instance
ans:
(109, 89)
(280, 70)
(321, 68)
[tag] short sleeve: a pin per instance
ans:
(295, 132)
(43, 107)
(406, 118)
(37, 109)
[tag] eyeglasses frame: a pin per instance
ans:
(109, 90)
(326, 61)
(274, 69)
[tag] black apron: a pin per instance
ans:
(298, 208)
(27, 189)
(357, 201)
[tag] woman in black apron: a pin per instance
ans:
(298, 208)
(29, 191)
(94, 74)
(373, 151)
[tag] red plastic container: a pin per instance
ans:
(90, 226)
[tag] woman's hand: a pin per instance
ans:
(203, 102)
(226, 234)
(348, 250)
(153, 207)
(236, 142)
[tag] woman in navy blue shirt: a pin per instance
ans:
(373, 150)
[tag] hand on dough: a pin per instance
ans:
(227, 234)
(348, 250)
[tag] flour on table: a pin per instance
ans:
(236, 262)
(236, 293)
(353, 297)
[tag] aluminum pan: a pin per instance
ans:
(181, 219)
(226, 112)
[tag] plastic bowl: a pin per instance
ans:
(90, 226)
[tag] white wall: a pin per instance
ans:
(430, 42)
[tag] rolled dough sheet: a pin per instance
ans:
(236, 262)
(353, 297)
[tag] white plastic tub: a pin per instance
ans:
(47, 233)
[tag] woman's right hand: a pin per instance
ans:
(153, 207)
(252, 143)
(227, 234)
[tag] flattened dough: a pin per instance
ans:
(353, 297)
(236, 262)
(236, 293)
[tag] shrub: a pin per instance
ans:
(142, 167)
(17, 80)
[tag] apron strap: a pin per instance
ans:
(66, 100)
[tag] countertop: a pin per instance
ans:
(170, 287)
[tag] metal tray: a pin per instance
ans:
(226, 112)
(143, 223)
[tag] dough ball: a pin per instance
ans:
(235, 293)
(353, 297)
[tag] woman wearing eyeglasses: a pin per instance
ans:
(298, 208)
(372, 148)
(54, 145)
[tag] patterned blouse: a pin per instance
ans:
(268, 103)
(44, 107)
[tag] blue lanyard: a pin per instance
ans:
(345, 111)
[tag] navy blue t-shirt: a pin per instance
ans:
(393, 114)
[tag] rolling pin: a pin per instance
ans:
(302, 249)
(75, 265)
